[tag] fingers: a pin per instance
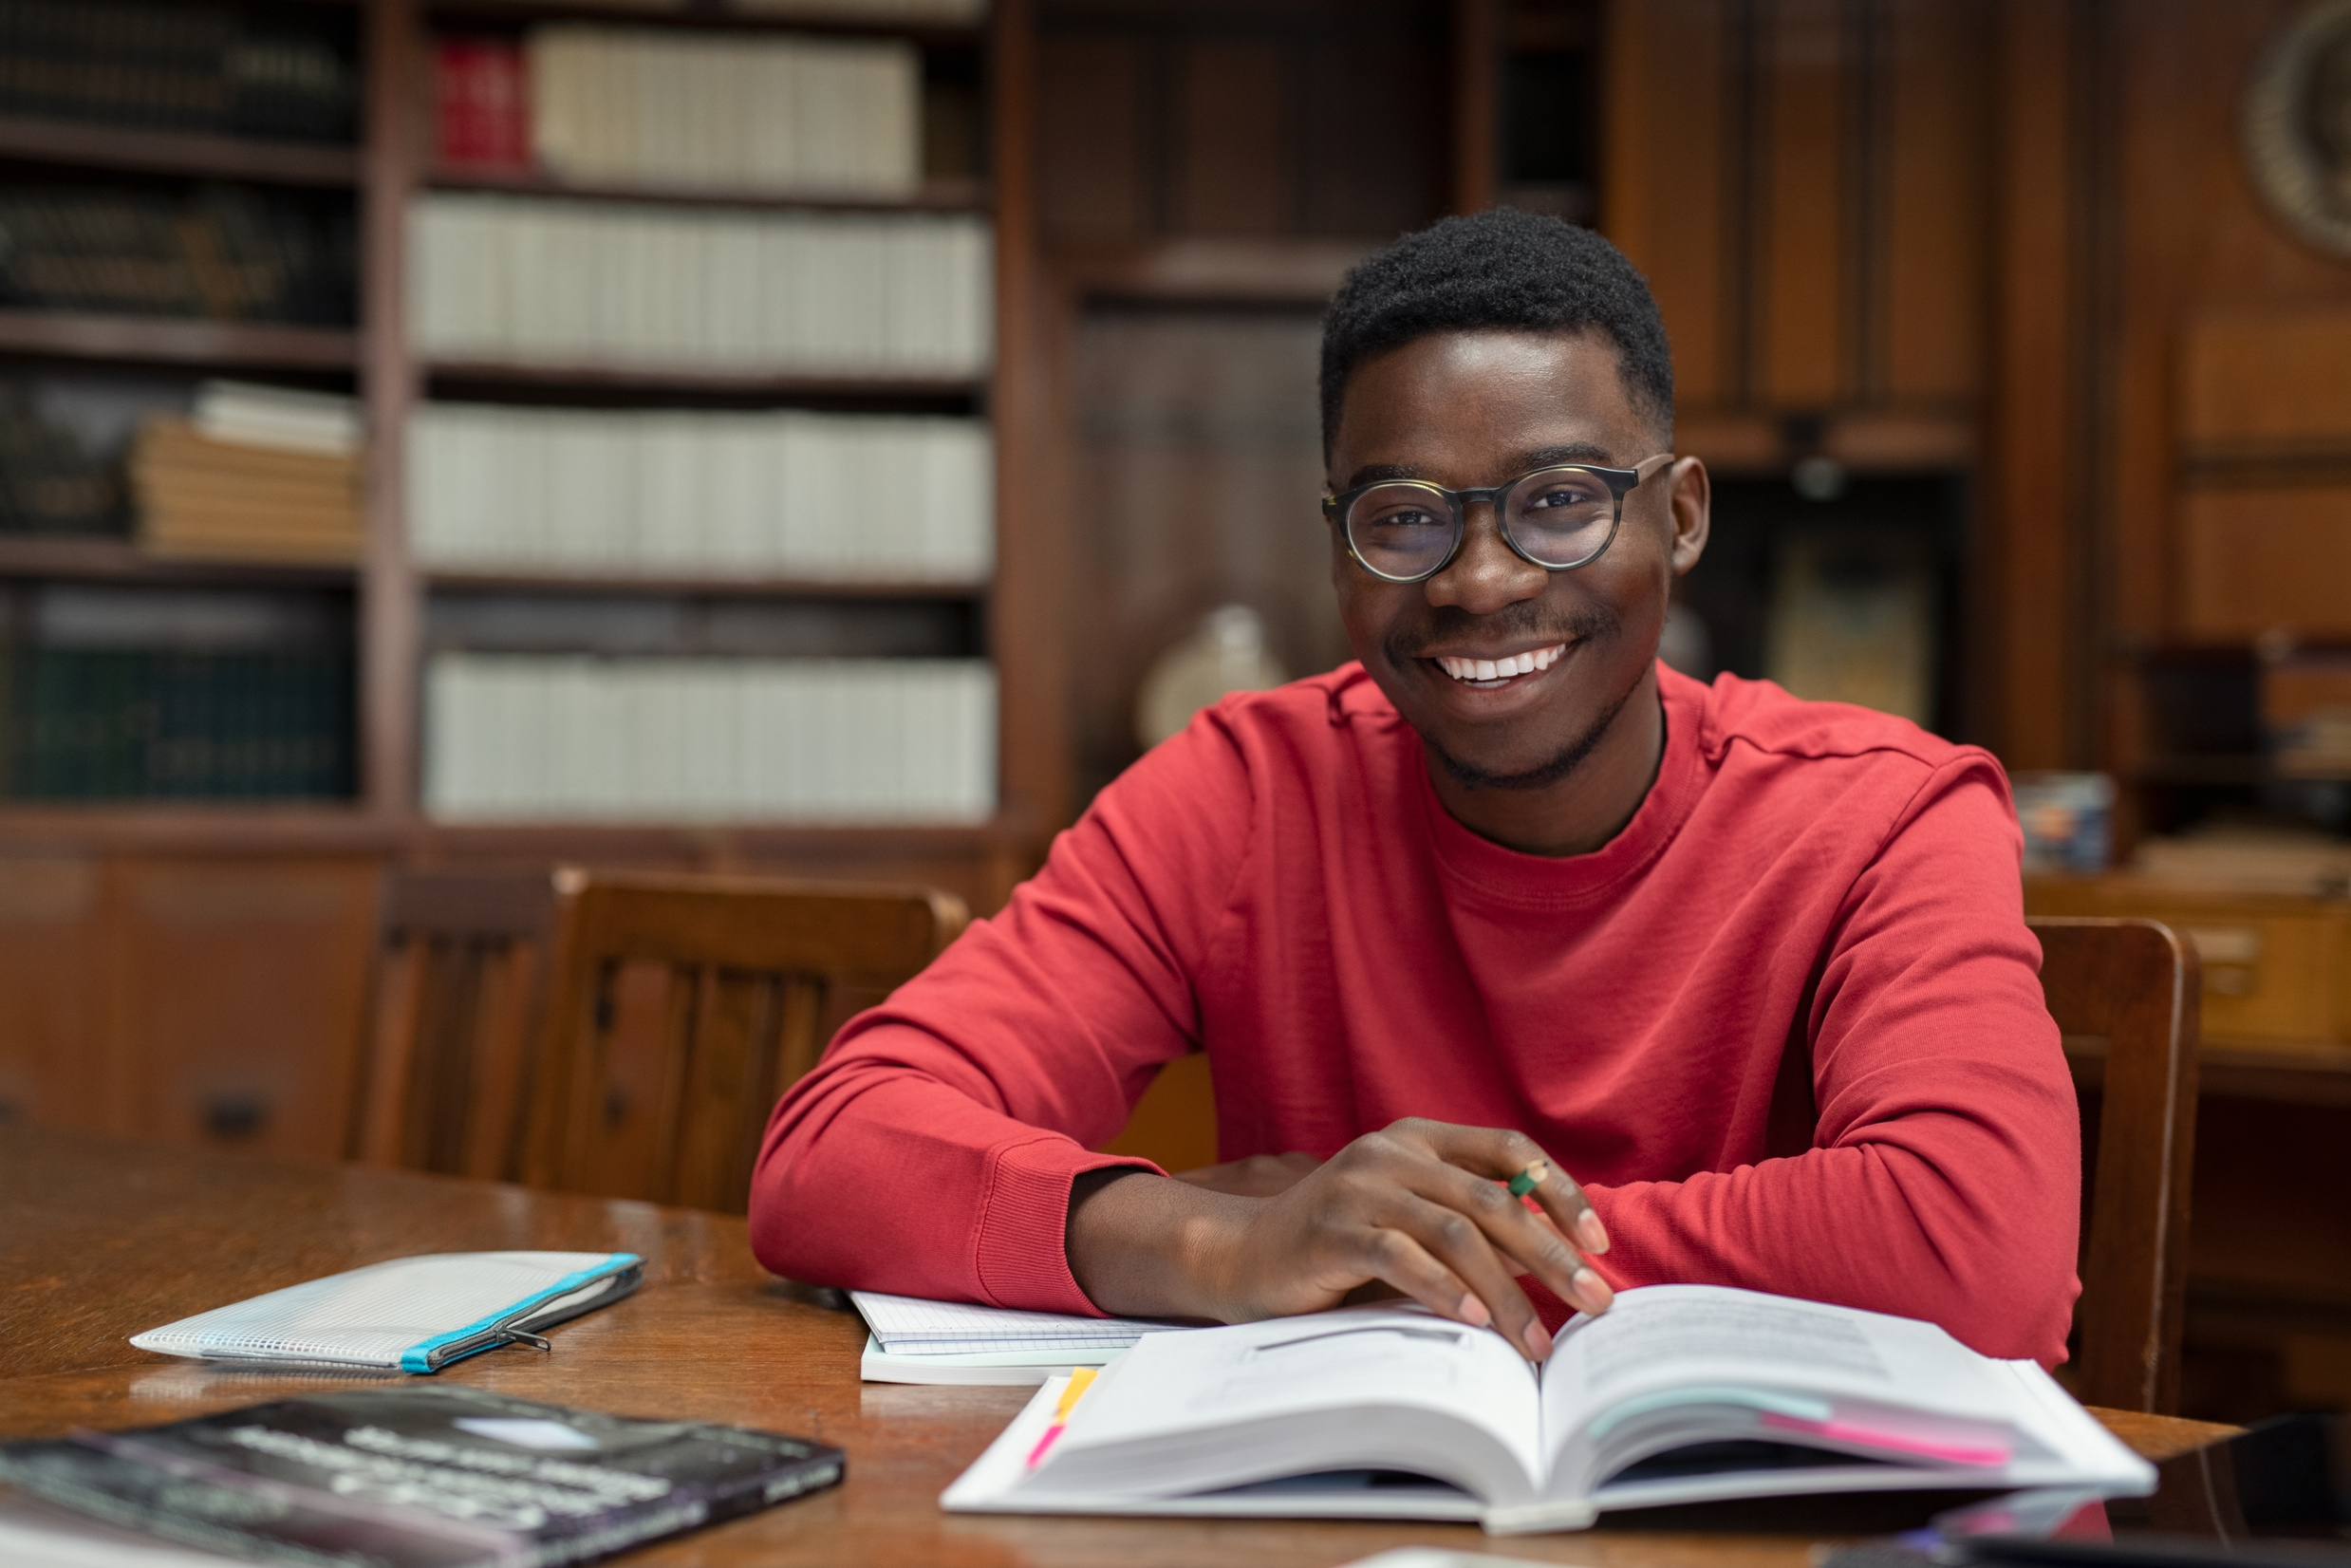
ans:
(1439, 1258)
(1468, 1154)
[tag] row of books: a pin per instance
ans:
(256, 474)
(640, 105)
(50, 480)
(128, 724)
(226, 252)
(780, 494)
(879, 12)
(520, 737)
(179, 65)
(527, 279)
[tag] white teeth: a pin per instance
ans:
(1501, 669)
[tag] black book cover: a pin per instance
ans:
(441, 1477)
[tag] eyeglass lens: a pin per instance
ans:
(1559, 518)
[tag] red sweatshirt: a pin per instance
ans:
(1784, 1027)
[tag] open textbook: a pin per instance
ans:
(1680, 1393)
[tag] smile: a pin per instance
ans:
(1485, 674)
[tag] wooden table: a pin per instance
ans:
(99, 1239)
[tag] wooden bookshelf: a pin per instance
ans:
(165, 339)
(584, 583)
(391, 166)
(63, 557)
(717, 14)
(81, 144)
(568, 381)
(935, 196)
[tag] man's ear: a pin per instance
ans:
(1691, 499)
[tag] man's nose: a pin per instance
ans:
(1485, 574)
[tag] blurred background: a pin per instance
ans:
(835, 437)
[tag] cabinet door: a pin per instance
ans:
(55, 1062)
(245, 984)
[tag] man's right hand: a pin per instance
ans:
(1417, 1206)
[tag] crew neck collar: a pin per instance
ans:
(1489, 871)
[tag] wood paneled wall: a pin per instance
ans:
(2018, 237)
(1805, 182)
(1266, 118)
(186, 997)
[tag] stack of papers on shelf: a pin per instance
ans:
(258, 473)
(918, 1341)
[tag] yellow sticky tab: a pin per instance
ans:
(1080, 1381)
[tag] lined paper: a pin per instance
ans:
(908, 1325)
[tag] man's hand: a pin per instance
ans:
(1418, 1206)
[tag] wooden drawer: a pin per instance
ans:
(2277, 970)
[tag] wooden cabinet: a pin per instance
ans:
(2277, 969)
(186, 997)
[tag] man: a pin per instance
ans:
(1505, 901)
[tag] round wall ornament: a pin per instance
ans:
(2298, 125)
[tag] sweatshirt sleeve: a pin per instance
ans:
(1947, 1135)
(932, 1152)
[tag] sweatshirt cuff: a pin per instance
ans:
(1022, 1245)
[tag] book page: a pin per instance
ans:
(1663, 1338)
(1351, 1389)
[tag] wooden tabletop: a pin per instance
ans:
(100, 1240)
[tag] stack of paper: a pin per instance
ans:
(259, 474)
(918, 1341)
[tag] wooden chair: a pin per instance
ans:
(681, 1007)
(2127, 994)
(460, 978)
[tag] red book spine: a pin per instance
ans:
(484, 112)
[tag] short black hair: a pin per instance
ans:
(1500, 270)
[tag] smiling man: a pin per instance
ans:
(1735, 988)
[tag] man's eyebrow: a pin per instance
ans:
(1524, 462)
(1376, 473)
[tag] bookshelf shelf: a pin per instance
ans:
(640, 585)
(572, 379)
(120, 560)
(163, 340)
(935, 196)
(82, 145)
(312, 826)
(709, 13)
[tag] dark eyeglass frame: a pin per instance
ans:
(1621, 481)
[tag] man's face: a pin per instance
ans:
(1471, 409)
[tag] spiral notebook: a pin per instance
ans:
(914, 1340)
(412, 1314)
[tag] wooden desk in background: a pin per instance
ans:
(99, 1239)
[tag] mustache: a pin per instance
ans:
(1524, 618)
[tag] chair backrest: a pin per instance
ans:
(2129, 990)
(460, 982)
(681, 1007)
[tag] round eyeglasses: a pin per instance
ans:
(1558, 518)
